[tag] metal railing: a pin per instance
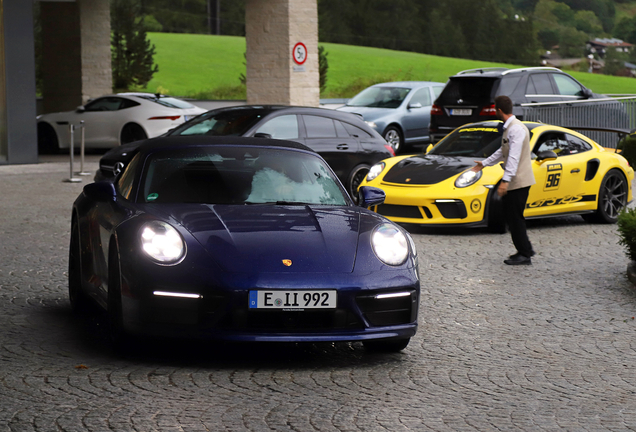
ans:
(615, 114)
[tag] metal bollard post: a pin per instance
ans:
(72, 179)
(81, 171)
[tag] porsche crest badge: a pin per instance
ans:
(287, 262)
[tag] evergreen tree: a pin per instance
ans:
(132, 54)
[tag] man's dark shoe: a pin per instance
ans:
(518, 259)
(515, 256)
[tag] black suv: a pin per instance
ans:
(470, 95)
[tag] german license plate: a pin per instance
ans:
(292, 300)
(461, 112)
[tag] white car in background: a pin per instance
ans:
(113, 120)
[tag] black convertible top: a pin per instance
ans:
(198, 140)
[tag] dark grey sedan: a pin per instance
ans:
(347, 143)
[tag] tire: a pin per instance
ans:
(394, 138)
(356, 177)
(77, 296)
(496, 220)
(386, 345)
(132, 132)
(612, 198)
(47, 139)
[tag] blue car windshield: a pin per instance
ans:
(470, 141)
(380, 97)
(238, 175)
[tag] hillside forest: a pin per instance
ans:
(506, 31)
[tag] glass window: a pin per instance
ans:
(472, 91)
(235, 175)
(319, 127)
(167, 101)
(356, 132)
(232, 122)
(469, 142)
(380, 97)
(281, 127)
(508, 84)
(437, 91)
(541, 83)
(128, 103)
(421, 96)
(104, 104)
(341, 130)
(566, 85)
(552, 141)
(576, 145)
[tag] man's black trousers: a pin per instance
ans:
(514, 202)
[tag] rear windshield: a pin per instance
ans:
(470, 91)
(380, 97)
(168, 101)
(232, 122)
(478, 142)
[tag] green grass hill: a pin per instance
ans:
(208, 67)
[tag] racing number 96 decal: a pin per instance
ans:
(554, 177)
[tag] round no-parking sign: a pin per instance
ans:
(300, 53)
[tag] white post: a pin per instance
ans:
(72, 179)
(82, 172)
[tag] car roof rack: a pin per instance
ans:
(531, 68)
(483, 70)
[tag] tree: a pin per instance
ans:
(132, 54)
(323, 67)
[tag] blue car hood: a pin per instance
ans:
(369, 113)
(258, 238)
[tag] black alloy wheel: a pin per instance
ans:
(132, 132)
(47, 139)
(612, 198)
(356, 178)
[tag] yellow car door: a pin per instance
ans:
(559, 182)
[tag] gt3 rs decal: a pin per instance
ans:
(548, 202)
(554, 177)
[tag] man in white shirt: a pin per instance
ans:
(518, 177)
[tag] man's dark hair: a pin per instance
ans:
(504, 104)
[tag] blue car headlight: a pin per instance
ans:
(375, 171)
(162, 242)
(467, 178)
(390, 245)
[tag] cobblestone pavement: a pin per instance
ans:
(545, 347)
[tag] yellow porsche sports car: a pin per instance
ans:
(574, 175)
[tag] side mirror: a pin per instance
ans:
(429, 148)
(103, 191)
(369, 196)
(587, 93)
(415, 105)
(547, 155)
(262, 135)
(80, 109)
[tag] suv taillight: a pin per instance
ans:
(488, 111)
(437, 110)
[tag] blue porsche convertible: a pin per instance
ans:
(242, 239)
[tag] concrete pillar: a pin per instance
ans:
(75, 52)
(18, 140)
(273, 28)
